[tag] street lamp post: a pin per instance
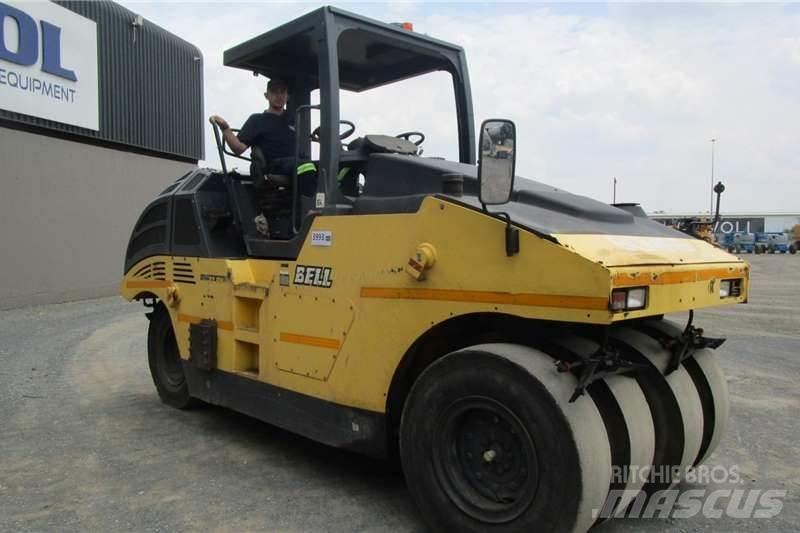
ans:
(711, 203)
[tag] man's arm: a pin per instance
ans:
(236, 146)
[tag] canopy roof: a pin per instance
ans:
(370, 53)
(330, 49)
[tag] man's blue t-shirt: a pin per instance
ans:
(274, 134)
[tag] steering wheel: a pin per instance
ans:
(342, 136)
(408, 134)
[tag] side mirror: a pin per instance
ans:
(498, 156)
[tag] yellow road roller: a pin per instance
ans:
(502, 339)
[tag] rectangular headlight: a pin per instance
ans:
(629, 299)
(724, 288)
(730, 288)
(637, 298)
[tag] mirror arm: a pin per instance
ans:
(512, 233)
(512, 236)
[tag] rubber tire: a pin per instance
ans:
(161, 345)
(680, 402)
(715, 388)
(712, 387)
(571, 444)
(628, 419)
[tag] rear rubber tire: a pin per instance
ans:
(166, 367)
(562, 456)
(713, 389)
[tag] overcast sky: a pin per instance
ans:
(632, 91)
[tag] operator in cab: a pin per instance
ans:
(273, 132)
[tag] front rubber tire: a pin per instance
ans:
(674, 404)
(553, 460)
(166, 367)
(709, 379)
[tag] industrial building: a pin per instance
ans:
(741, 222)
(99, 111)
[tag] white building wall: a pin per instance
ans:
(780, 223)
(66, 212)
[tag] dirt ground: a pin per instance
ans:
(85, 444)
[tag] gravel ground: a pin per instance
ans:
(85, 444)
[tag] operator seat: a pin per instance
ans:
(272, 194)
(262, 179)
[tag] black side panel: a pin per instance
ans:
(377, 205)
(278, 249)
(216, 219)
(203, 344)
(186, 239)
(404, 175)
(335, 425)
(151, 234)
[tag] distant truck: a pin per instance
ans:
(744, 242)
(756, 243)
(772, 242)
(725, 241)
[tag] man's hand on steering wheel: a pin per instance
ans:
(342, 136)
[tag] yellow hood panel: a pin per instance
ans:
(623, 250)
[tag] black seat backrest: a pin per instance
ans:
(258, 164)
(259, 172)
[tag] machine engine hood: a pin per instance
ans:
(603, 233)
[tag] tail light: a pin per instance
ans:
(629, 299)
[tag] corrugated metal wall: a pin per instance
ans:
(151, 86)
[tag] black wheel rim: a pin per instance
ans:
(169, 364)
(485, 460)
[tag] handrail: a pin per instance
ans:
(220, 140)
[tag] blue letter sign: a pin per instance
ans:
(51, 51)
(28, 42)
(27, 53)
